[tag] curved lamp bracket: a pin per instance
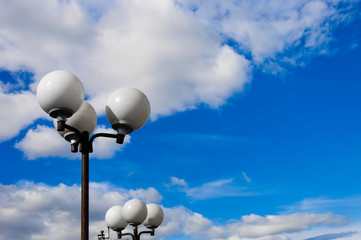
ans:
(61, 126)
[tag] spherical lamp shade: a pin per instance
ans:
(134, 212)
(155, 216)
(127, 109)
(60, 93)
(85, 119)
(114, 220)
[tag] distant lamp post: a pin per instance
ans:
(61, 95)
(134, 212)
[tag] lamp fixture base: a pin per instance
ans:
(123, 130)
(61, 112)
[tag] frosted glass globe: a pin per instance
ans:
(114, 220)
(85, 119)
(127, 106)
(155, 216)
(60, 93)
(134, 212)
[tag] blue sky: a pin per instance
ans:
(254, 132)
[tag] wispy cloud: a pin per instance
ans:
(246, 178)
(331, 236)
(213, 189)
(324, 204)
(178, 182)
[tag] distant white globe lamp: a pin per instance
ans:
(114, 219)
(134, 212)
(154, 217)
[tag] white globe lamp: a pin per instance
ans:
(127, 110)
(114, 220)
(155, 216)
(134, 212)
(85, 119)
(60, 94)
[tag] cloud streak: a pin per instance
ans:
(331, 236)
(214, 189)
(325, 204)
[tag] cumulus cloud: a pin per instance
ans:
(147, 195)
(180, 220)
(166, 52)
(18, 110)
(174, 181)
(37, 211)
(41, 211)
(174, 50)
(44, 142)
(269, 28)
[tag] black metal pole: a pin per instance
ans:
(135, 232)
(85, 145)
(85, 186)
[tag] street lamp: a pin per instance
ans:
(61, 94)
(134, 212)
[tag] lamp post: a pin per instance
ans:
(61, 95)
(134, 212)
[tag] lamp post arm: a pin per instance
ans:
(119, 137)
(149, 232)
(73, 129)
(61, 126)
(135, 235)
(120, 234)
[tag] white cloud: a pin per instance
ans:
(45, 142)
(165, 52)
(276, 227)
(216, 189)
(331, 236)
(105, 148)
(346, 232)
(18, 110)
(41, 211)
(177, 56)
(178, 182)
(37, 211)
(246, 178)
(147, 195)
(269, 29)
(257, 226)
(349, 206)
